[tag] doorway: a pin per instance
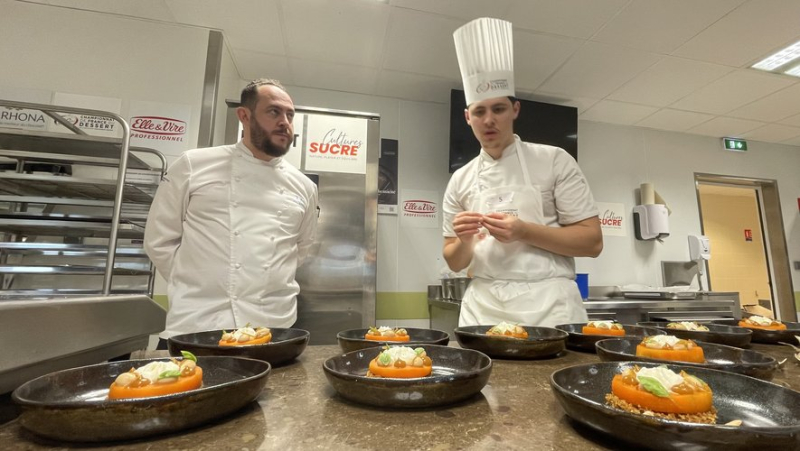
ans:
(742, 218)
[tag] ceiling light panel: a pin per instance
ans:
(780, 58)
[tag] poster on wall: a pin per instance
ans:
(91, 124)
(160, 126)
(336, 144)
(613, 219)
(387, 177)
(420, 208)
(21, 118)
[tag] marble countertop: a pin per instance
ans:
(299, 410)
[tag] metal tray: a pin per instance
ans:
(659, 294)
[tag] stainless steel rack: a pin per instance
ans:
(66, 235)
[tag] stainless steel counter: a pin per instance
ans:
(299, 410)
(707, 305)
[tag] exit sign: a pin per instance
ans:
(734, 144)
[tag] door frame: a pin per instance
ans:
(778, 264)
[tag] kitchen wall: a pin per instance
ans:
(615, 160)
(55, 49)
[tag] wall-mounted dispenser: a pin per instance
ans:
(650, 222)
(699, 251)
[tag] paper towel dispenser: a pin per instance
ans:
(650, 222)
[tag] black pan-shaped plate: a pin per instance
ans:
(768, 336)
(771, 419)
(286, 345)
(457, 375)
(541, 342)
(583, 342)
(72, 405)
(717, 333)
(353, 339)
(720, 357)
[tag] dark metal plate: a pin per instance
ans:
(717, 333)
(353, 339)
(768, 336)
(583, 342)
(541, 342)
(457, 375)
(286, 345)
(720, 357)
(72, 405)
(771, 419)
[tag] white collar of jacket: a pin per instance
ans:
(248, 155)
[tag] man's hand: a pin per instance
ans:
(504, 228)
(466, 225)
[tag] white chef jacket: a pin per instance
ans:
(514, 281)
(227, 231)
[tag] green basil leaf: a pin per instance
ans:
(384, 358)
(419, 351)
(168, 374)
(188, 355)
(653, 386)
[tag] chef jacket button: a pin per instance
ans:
(238, 265)
(234, 298)
(266, 267)
(281, 190)
(272, 238)
(234, 204)
(280, 212)
(236, 232)
(237, 178)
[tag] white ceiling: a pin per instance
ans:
(678, 65)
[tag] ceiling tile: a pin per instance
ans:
(335, 77)
(732, 91)
(793, 142)
(258, 30)
(661, 26)
(792, 120)
(336, 32)
(429, 50)
(596, 70)
(576, 18)
(537, 56)
(668, 81)
(772, 108)
(617, 112)
(773, 133)
(747, 34)
(674, 120)
(725, 126)
(417, 87)
(146, 9)
(580, 103)
(461, 9)
(254, 65)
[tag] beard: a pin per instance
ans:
(263, 142)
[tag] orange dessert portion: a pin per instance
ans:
(508, 330)
(762, 322)
(246, 336)
(663, 393)
(603, 328)
(387, 334)
(158, 379)
(401, 362)
(669, 347)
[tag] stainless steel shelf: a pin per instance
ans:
(82, 250)
(74, 145)
(72, 187)
(120, 269)
(50, 293)
(36, 227)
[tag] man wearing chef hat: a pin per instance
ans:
(518, 213)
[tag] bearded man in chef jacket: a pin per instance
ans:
(518, 213)
(229, 225)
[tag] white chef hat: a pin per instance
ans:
(485, 51)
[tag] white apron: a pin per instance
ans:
(516, 282)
